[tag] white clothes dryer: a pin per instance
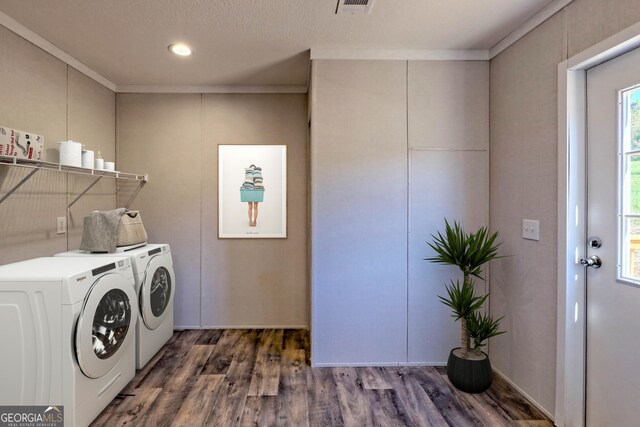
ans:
(155, 288)
(67, 332)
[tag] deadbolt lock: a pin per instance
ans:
(595, 242)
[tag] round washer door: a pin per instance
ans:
(105, 324)
(156, 293)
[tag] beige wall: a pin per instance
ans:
(92, 121)
(255, 282)
(43, 95)
(174, 138)
(523, 183)
(161, 135)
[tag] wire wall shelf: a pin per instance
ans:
(35, 166)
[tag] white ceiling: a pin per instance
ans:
(253, 42)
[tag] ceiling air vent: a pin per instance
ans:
(354, 6)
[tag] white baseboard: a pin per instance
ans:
(178, 328)
(374, 364)
(351, 365)
(523, 393)
(418, 364)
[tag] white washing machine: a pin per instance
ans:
(66, 328)
(155, 287)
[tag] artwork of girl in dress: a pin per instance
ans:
(252, 192)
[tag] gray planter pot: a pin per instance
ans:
(469, 375)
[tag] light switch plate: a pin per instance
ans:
(531, 229)
(62, 224)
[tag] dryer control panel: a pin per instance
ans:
(81, 282)
(121, 265)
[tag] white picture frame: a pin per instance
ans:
(252, 191)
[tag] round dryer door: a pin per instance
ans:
(105, 324)
(156, 293)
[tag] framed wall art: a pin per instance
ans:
(252, 191)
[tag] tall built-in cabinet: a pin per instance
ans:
(396, 146)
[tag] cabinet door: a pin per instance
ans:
(442, 184)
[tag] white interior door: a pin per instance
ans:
(613, 290)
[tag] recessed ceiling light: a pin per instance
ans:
(180, 49)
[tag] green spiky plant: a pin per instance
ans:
(481, 327)
(469, 252)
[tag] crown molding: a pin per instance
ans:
(545, 13)
(401, 54)
(210, 89)
(19, 29)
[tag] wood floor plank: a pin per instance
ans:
(266, 374)
(487, 410)
(229, 406)
(298, 339)
(259, 411)
(163, 369)
(223, 353)
(142, 374)
(112, 410)
(374, 378)
(491, 405)
(293, 407)
(532, 423)
(209, 337)
(190, 367)
(485, 413)
(512, 402)
(388, 411)
(200, 401)
(177, 388)
(420, 409)
(443, 396)
(355, 409)
(134, 408)
(322, 398)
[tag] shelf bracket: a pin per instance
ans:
(135, 193)
(36, 165)
(18, 185)
(84, 192)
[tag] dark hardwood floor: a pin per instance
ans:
(263, 378)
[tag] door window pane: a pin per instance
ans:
(631, 260)
(629, 190)
(632, 105)
(632, 184)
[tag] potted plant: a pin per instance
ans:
(468, 368)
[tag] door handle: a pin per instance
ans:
(593, 261)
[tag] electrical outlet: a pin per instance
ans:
(530, 229)
(62, 224)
